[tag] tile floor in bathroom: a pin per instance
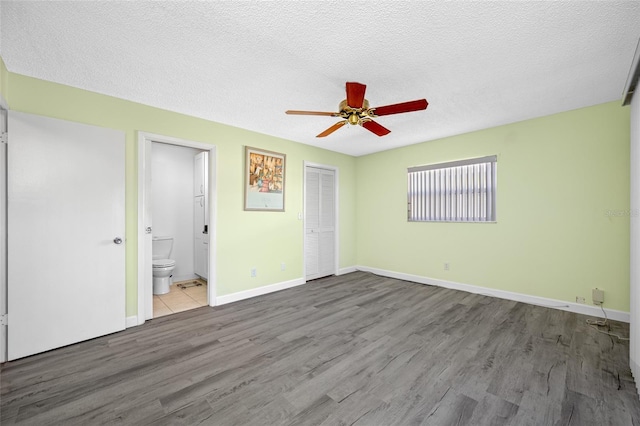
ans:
(178, 299)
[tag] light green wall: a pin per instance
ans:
(557, 178)
(244, 239)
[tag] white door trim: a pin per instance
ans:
(145, 301)
(336, 196)
(3, 230)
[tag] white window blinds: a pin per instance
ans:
(459, 191)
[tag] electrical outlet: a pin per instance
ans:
(598, 296)
(446, 266)
(581, 300)
(283, 266)
(254, 272)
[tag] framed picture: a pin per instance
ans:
(264, 180)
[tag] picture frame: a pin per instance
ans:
(264, 180)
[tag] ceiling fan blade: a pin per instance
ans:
(400, 108)
(329, 114)
(374, 127)
(332, 129)
(355, 94)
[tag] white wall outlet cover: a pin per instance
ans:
(597, 296)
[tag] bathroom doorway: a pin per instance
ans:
(178, 206)
(176, 225)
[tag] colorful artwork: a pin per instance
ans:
(264, 180)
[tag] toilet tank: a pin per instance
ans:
(162, 247)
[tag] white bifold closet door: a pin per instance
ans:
(66, 242)
(320, 218)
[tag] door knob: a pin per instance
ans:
(147, 230)
(117, 240)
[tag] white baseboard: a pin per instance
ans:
(247, 294)
(578, 308)
(635, 372)
(132, 321)
(181, 278)
(346, 270)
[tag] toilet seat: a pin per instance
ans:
(163, 263)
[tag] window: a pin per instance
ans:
(459, 191)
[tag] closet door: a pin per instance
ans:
(199, 188)
(201, 222)
(320, 217)
(200, 259)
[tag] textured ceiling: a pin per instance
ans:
(479, 64)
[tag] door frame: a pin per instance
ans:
(336, 211)
(3, 228)
(145, 280)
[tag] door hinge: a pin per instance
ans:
(4, 138)
(4, 319)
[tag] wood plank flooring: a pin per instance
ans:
(356, 349)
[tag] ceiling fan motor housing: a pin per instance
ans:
(354, 115)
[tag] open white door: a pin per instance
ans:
(66, 250)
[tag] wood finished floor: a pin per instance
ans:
(356, 349)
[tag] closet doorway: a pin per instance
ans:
(164, 163)
(320, 220)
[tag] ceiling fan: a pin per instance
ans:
(356, 111)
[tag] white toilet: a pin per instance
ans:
(163, 266)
